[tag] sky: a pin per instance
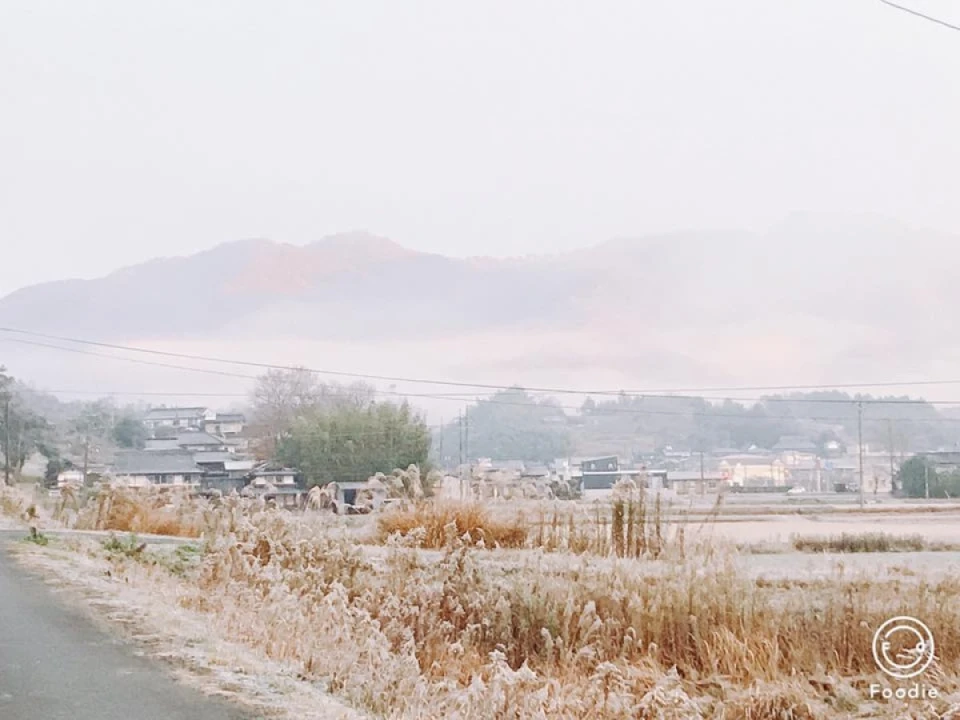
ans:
(135, 130)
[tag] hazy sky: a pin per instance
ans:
(135, 129)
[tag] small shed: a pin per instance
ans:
(355, 495)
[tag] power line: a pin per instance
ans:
(667, 392)
(132, 360)
(377, 391)
(464, 397)
(608, 411)
(919, 14)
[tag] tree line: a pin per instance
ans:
(515, 424)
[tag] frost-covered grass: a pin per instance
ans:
(869, 542)
(449, 638)
(158, 511)
(436, 524)
(551, 631)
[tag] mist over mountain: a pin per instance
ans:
(815, 299)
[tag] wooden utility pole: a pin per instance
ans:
(86, 457)
(6, 441)
(703, 483)
(860, 445)
(460, 463)
(892, 474)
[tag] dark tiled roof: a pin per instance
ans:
(230, 417)
(137, 462)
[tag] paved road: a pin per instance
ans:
(55, 665)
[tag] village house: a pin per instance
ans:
(269, 475)
(185, 418)
(278, 484)
(192, 441)
(224, 465)
(599, 475)
(225, 425)
(137, 468)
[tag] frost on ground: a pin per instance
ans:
(619, 620)
(144, 607)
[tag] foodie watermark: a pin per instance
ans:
(904, 648)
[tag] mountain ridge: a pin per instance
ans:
(806, 299)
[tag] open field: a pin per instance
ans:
(629, 611)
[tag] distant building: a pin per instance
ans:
(224, 465)
(185, 418)
(137, 468)
(685, 482)
(944, 462)
(225, 425)
(347, 493)
(754, 470)
(278, 477)
(70, 477)
(193, 441)
(535, 472)
(599, 475)
(278, 484)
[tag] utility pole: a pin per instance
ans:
(860, 445)
(466, 441)
(703, 484)
(701, 442)
(892, 474)
(6, 442)
(460, 463)
(86, 457)
(442, 467)
(926, 480)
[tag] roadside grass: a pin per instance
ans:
(668, 626)
(158, 511)
(37, 538)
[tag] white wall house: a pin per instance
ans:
(277, 478)
(225, 424)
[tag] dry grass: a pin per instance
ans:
(648, 633)
(869, 542)
(438, 525)
(451, 639)
(158, 511)
(628, 528)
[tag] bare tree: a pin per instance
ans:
(279, 398)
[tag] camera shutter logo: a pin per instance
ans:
(915, 643)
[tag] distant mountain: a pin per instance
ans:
(814, 298)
